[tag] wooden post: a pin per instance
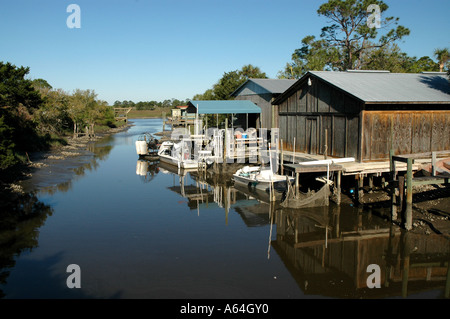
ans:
(296, 184)
(338, 188)
(408, 217)
(225, 141)
(282, 157)
(447, 282)
(326, 144)
(392, 188)
(406, 261)
(360, 191)
(293, 154)
(433, 163)
(401, 192)
(370, 183)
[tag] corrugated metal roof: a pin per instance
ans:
(383, 87)
(225, 107)
(277, 86)
(273, 86)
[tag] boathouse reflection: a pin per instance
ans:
(328, 256)
(328, 249)
(209, 191)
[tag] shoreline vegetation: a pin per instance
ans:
(147, 114)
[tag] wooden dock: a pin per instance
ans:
(394, 175)
(121, 113)
(397, 174)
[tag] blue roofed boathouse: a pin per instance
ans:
(246, 113)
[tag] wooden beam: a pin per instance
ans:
(298, 168)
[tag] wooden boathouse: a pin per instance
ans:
(390, 123)
(365, 114)
(263, 92)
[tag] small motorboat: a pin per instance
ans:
(260, 177)
(177, 154)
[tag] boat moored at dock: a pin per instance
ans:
(259, 177)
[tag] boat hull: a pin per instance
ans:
(181, 164)
(261, 184)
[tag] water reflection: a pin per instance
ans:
(203, 237)
(147, 170)
(327, 255)
(21, 216)
(202, 192)
(328, 249)
(60, 175)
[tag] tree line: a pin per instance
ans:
(151, 105)
(34, 116)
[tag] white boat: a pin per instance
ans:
(259, 177)
(177, 154)
(147, 147)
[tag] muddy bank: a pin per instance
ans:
(45, 169)
(431, 208)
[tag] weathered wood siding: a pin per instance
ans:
(264, 101)
(406, 132)
(310, 110)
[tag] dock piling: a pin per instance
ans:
(408, 217)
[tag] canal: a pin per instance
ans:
(144, 230)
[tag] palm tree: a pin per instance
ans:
(443, 55)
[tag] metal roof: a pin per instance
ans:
(385, 87)
(225, 107)
(273, 86)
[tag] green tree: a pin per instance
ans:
(39, 84)
(389, 58)
(425, 64)
(252, 72)
(350, 33)
(206, 96)
(15, 89)
(314, 55)
(347, 42)
(7, 145)
(442, 55)
(227, 84)
(81, 110)
(53, 115)
(18, 100)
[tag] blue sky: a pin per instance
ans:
(143, 50)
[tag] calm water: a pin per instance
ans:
(139, 230)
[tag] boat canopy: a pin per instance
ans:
(224, 107)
